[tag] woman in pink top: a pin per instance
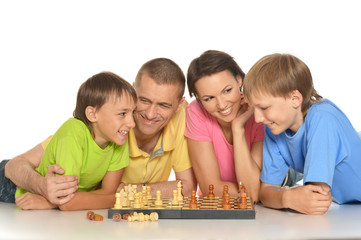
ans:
(224, 142)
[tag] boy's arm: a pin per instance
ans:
(313, 198)
(21, 171)
(97, 199)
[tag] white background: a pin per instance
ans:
(48, 48)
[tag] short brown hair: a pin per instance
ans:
(278, 75)
(163, 71)
(96, 91)
(210, 62)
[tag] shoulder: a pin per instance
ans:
(72, 127)
(325, 110)
(195, 110)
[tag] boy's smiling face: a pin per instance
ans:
(112, 121)
(278, 113)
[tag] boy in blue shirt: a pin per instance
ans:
(306, 132)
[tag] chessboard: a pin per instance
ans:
(207, 208)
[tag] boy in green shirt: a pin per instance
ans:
(93, 145)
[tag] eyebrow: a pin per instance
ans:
(159, 103)
(207, 96)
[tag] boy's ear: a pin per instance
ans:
(90, 113)
(296, 98)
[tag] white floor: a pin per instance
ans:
(339, 222)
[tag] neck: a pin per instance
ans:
(145, 142)
(227, 131)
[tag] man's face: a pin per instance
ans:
(156, 105)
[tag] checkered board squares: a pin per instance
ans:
(206, 209)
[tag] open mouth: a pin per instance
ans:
(226, 111)
(124, 133)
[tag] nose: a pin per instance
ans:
(221, 103)
(258, 116)
(151, 112)
(130, 121)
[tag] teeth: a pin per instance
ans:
(123, 132)
(226, 111)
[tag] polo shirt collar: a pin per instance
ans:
(166, 139)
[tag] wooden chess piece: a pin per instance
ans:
(158, 201)
(118, 204)
(210, 193)
(226, 200)
(193, 202)
(175, 198)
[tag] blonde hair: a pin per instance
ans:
(278, 75)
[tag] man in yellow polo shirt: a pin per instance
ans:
(156, 145)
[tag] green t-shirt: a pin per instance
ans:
(74, 149)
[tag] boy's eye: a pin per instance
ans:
(122, 113)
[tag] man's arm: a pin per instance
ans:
(21, 171)
(313, 198)
(98, 199)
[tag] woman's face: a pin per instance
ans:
(220, 95)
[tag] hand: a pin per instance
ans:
(58, 189)
(309, 199)
(33, 201)
(244, 113)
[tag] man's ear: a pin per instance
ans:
(90, 113)
(296, 98)
(180, 103)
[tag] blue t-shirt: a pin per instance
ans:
(326, 148)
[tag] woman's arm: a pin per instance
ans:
(248, 164)
(206, 169)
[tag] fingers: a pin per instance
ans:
(65, 199)
(61, 189)
(53, 169)
(63, 192)
(318, 189)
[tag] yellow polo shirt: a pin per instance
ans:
(171, 151)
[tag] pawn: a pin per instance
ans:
(149, 196)
(210, 193)
(225, 191)
(158, 201)
(175, 198)
(137, 203)
(144, 196)
(193, 202)
(226, 200)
